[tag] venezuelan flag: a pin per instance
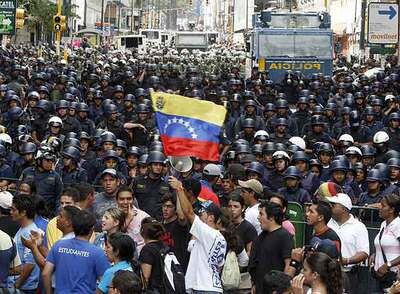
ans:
(188, 127)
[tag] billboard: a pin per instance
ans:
(7, 17)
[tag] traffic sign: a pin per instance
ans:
(7, 17)
(383, 25)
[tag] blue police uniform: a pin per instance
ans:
(48, 185)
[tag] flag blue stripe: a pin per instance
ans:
(176, 126)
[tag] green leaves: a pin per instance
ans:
(40, 13)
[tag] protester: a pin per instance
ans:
(244, 229)
(353, 235)
(9, 259)
(208, 250)
(386, 258)
(272, 249)
(69, 196)
(321, 273)
(120, 250)
(23, 211)
(133, 215)
(176, 228)
(150, 257)
(318, 215)
(66, 254)
(251, 191)
(113, 221)
(126, 282)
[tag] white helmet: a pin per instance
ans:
(299, 142)
(353, 150)
(261, 133)
(5, 138)
(280, 155)
(55, 121)
(380, 137)
(390, 97)
(346, 137)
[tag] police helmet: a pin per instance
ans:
(72, 152)
(292, 172)
(256, 167)
(27, 148)
(156, 157)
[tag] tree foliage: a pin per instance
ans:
(40, 13)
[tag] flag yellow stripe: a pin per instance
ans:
(188, 107)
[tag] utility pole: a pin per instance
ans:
(362, 32)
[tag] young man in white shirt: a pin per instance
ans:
(251, 190)
(354, 238)
(208, 249)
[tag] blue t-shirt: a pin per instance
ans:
(77, 264)
(109, 274)
(26, 256)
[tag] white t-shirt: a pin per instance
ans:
(390, 243)
(207, 257)
(251, 215)
(353, 236)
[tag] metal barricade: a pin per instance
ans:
(296, 216)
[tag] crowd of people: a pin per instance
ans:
(89, 202)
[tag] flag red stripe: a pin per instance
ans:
(187, 147)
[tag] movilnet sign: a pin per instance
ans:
(383, 25)
(7, 17)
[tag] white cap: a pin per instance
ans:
(342, 199)
(6, 199)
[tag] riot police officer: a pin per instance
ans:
(69, 168)
(47, 181)
(150, 188)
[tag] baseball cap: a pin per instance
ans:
(109, 171)
(6, 199)
(209, 207)
(252, 184)
(328, 189)
(326, 246)
(212, 169)
(342, 199)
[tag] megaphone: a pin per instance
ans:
(181, 164)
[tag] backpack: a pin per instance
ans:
(231, 272)
(173, 275)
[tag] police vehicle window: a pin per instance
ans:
(276, 45)
(140, 41)
(131, 42)
(313, 45)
